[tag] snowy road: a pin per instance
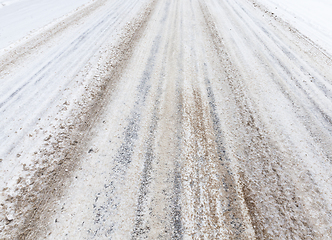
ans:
(155, 119)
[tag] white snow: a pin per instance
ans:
(311, 17)
(19, 17)
(45, 84)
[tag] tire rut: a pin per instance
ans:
(261, 170)
(36, 195)
(216, 207)
(290, 80)
(154, 155)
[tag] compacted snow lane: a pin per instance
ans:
(167, 120)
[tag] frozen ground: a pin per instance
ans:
(155, 119)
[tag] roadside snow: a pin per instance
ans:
(18, 18)
(311, 17)
(46, 78)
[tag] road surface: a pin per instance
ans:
(155, 119)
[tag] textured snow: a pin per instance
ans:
(311, 17)
(21, 17)
(247, 83)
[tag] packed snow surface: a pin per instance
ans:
(165, 119)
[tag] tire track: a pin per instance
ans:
(35, 79)
(131, 133)
(45, 186)
(292, 81)
(261, 163)
(177, 219)
(287, 73)
(123, 158)
(141, 228)
(197, 158)
(216, 206)
(144, 222)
